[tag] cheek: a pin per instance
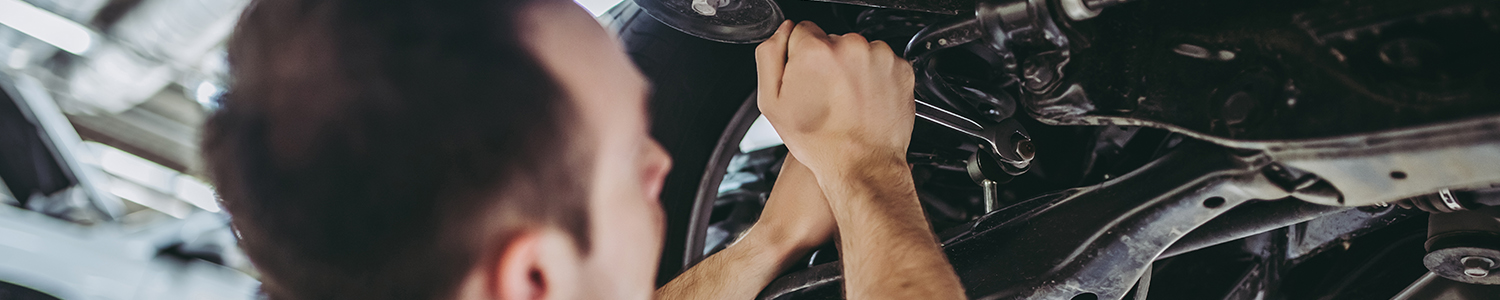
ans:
(630, 223)
(633, 213)
(627, 239)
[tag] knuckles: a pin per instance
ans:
(767, 48)
(855, 38)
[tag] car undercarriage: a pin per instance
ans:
(1065, 149)
(1170, 149)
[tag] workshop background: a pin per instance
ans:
(100, 115)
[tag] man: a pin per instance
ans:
(498, 150)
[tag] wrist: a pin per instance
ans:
(879, 176)
(783, 241)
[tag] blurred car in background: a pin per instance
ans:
(99, 126)
(82, 220)
(99, 117)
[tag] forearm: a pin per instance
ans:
(795, 220)
(738, 272)
(889, 250)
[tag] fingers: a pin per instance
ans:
(851, 38)
(881, 46)
(884, 51)
(805, 35)
(770, 60)
(794, 42)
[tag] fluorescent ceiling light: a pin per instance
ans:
(46, 26)
(152, 185)
(205, 93)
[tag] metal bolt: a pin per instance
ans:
(702, 7)
(991, 195)
(1449, 200)
(1226, 55)
(1476, 266)
(1038, 73)
(1237, 108)
(1026, 149)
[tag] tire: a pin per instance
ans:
(700, 86)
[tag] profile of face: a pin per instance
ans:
(625, 217)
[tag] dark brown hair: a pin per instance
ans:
(375, 149)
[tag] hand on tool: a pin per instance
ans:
(844, 107)
(840, 102)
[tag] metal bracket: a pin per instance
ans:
(1099, 239)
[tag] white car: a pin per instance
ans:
(63, 237)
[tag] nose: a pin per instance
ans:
(658, 155)
(657, 165)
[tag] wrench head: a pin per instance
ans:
(1010, 144)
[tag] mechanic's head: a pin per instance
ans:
(437, 150)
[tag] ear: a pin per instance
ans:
(537, 264)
